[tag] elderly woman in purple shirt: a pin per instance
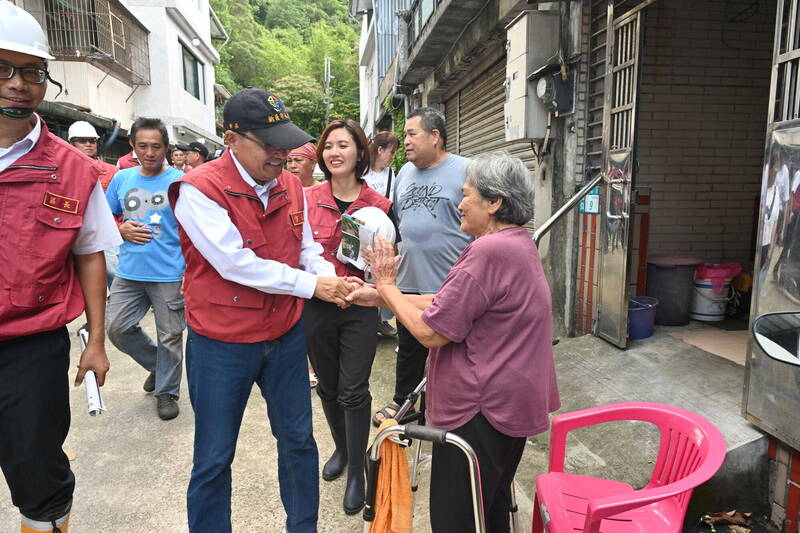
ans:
(491, 376)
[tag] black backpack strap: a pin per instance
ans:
(389, 182)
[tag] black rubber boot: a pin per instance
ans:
(335, 465)
(357, 425)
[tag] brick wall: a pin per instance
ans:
(784, 486)
(702, 126)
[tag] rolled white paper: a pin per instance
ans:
(94, 401)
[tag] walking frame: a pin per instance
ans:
(403, 433)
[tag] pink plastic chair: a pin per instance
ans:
(690, 453)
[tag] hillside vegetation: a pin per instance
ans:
(281, 45)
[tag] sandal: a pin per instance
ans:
(312, 380)
(386, 414)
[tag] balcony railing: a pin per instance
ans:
(103, 32)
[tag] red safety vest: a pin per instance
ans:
(107, 172)
(223, 310)
(326, 220)
(43, 196)
(128, 161)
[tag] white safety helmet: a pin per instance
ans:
(81, 129)
(375, 220)
(20, 32)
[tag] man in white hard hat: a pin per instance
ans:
(55, 226)
(83, 136)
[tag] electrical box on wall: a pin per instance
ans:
(532, 41)
(555, 87)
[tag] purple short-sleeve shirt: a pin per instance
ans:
(495, 307)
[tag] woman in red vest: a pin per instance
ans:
(342, 342)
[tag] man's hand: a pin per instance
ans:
(367, 296)
(135, 232)
(93, 358)
(334, 290)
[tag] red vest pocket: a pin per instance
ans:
(234, 295)
(252, 238)
(53, 233)
(58, 219)
(37, 295)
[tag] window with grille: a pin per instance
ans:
(786, 98)
(101, 31)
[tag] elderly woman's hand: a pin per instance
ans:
(366, 296)
(382, 261)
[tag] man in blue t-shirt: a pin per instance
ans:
(150, 266)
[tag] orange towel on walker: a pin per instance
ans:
(393, 500)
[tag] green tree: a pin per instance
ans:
(305, 102)
(271, 42)
(339, 42)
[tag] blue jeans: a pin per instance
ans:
(221, 376)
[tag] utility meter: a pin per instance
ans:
(557, 94)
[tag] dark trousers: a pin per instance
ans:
(410, 369)
(341, 346)
(451, 496)
(34, 421)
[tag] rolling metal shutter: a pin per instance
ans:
(475, 121)
(451, 123)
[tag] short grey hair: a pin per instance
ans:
(501, 175)
(431, 119)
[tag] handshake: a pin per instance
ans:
(383, 261)
(336, 290)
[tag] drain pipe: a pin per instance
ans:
(544, 228)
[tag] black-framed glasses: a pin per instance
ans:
(35, 75)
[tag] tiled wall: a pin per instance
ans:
(702, 124)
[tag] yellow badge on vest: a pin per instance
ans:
(61, 203)
(297, 218)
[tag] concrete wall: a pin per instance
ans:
(165, 97)
(84, 85)
(704, 96)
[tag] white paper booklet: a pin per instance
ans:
(355, 237)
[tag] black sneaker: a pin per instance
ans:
(386, 330)
(150, 383)
(167, 406)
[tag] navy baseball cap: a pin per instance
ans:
(265, 115)
(200, 148)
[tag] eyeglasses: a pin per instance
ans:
(30, 74)
(84, 140)
(268, 148)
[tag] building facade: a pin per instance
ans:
(118, 60)
(182, 52)
(660, 109)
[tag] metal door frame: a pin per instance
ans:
(620, 120)
(771, 388)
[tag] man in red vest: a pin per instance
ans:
(128, 160)
(54, 226)
(83, 136)
(251, 260)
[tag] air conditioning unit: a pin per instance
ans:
(532, 42)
